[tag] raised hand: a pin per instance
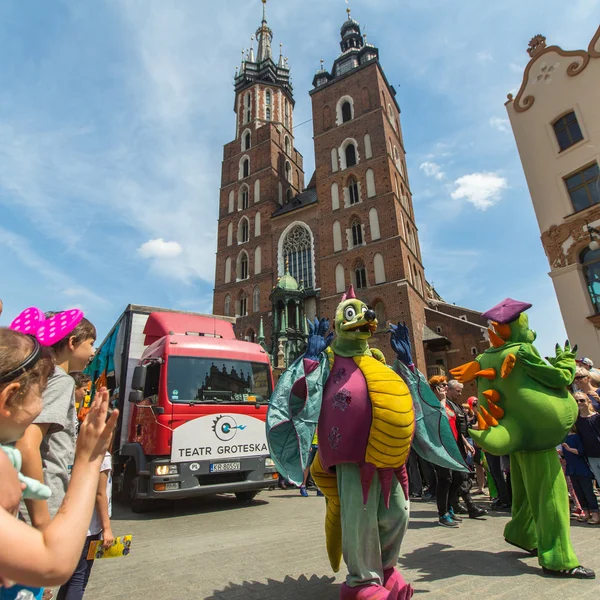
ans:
(563, 354)
(400, 342)
(317, 342)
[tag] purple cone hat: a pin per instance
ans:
(506, 311)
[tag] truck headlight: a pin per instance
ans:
(166, 470)
(269, 463)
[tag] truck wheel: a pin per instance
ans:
(129, 490)
(245, 496)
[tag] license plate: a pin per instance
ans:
(228, 466)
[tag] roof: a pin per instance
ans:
(306, 198)
(429, 335)
(287, 282)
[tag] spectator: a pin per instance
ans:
(583, 383)
(453, 395)
(581, 476)
(48, 445)
(588, 429)
(82, 384)
(48, 557)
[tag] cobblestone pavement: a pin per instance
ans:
(217, 549)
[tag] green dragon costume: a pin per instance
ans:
(368, 415)
(526, 412)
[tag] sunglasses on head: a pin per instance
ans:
(580, 401)
(580, 377)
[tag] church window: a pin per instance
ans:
(334, 160)
(230, 234)
(247, 141)
(244, 198)
(244, 167)
(374, 224)
(337, 236)
(370, 183)
(231, 201)
(242, 270)
(360, 275)
(590, 261)
(268, 114)
(335, 196)
(268, 98)
(227, 306)
(350, 155)
(257, 225)
(287, 145)
(257, 261)
(288, 171)
(227, 270)
(357, 233)
(346, 112)
(340, 280)
(287, 114)
(247, 108)
(368, 148)
(257, 191)
(298, 253)
(243, 231)
(243, 304)
(353, 191)
(379, 268)
(256, 300)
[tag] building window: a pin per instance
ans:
(357, 236)
(268, 114)
(244, 199)
(353, 191)
(247, 108)
(243, 305)
(287, 114)
(346, 112)
(230, 234)
(243, 231)
(350, 155)
(590, 261)
(340, 281)
(567, 131)
(584, 187)
(243, 270)
(360, 274)
(227, 269)
(227, 306)
(245, 168)
(298, 253)
(288, 172)
(268, 98)
(337, 236)
(438, 329)
(287, 145)
(256, 300)
(474, 351)
(379, 268)
(247, 141)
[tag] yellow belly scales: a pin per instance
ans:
(388, 446)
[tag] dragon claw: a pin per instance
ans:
(466, 372)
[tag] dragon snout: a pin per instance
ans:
(370, 315)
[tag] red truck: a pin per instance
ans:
(193, 402)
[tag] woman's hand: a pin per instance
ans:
(95, 432)
(108, 538)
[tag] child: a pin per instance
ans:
(48, 557)
(100, 528)
(82, 382)
(48, 445)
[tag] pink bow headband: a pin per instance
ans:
(47, 332)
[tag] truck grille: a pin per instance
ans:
(221, 478)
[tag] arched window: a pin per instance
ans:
(415, 277)
(243, 231)
(391, 116)
(227, 270)
(247, 107)
(380, 312)
(243, 312)
(287, 145)
(268, 98)
(397, 159)
(227, 306)
(360, 275)
(242, 266)
(340, 280)
(230, 234)
(346, 112)
(334, 160)
(287, 114)
(335, 196)
(231, 201)
(357, 233)
(288, 195)
(257, 191)
(368, 147)
(256, 299)
(379, 269)
(297, 250)
(337, 236)
(374, 224)
(590, 261)
(353, 194)
(257, 261)
(247, 141)
(268, 114)
(257, 225)
(350, 155)
(244, 198)
(288, 171)
(250, 336)
(370, 184)
(244, 167)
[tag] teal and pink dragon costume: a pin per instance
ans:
(526, 412)
(368, 416)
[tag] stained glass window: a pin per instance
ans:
(298, 251)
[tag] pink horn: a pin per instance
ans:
(350, 295)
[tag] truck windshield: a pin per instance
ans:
(208, 381)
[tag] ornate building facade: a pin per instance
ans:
(285, 251)
(556, 123)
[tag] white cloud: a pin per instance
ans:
(160, 249)
(500, 124)
(482, 190)
(432, 169)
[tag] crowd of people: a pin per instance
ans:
(59, 466)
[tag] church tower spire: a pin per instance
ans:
(264, 35)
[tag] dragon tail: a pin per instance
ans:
(327, 483)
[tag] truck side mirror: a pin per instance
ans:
(136, 396)
(138, 382)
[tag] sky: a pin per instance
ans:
(114, 113)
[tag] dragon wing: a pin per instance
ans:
(433, 439)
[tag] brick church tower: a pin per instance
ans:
(261, 171)
(285, 252)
